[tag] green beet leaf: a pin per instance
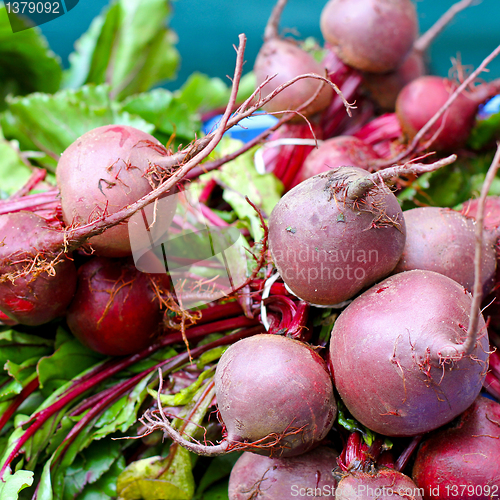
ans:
(128, 47)
(50, 123)
(12, 484)
(26, 62)
(157, 478)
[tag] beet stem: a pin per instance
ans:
(360, 187)
(271, 30)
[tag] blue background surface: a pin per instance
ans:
(208, 29)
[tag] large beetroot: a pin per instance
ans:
(275, 398)
(399, 354)
(335, 234)
(442, 240)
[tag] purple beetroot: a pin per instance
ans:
(442, 240)
(284, 59)
(403, 359)
(338, 151)
(422, 98)
(335, 234)
(103, 171)
(115, 310)
(370, 35)
(274, 396)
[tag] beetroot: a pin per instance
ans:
(330, 237)
(274, 396)
(287, 60)
(461, 460)
(442, 240)
(275, 392)
(115, 310)
(491, 211)
(103, 171)
(383, 88)
(36, 285)
(264, 478)
(398, 354)
(370, 35)
(336, 152)
(422, 98)
(382, 484)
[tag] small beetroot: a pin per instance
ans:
(36, 285)
(461, 460)
(264, 478)
(115, 310)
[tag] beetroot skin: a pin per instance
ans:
(103, 171)
(422, 98)
(326, 246)
(276, 393)
(463, 460)
(286, 60)
(257, 477)
(383, 484)
(40, 295)
(115, 310)
(442, 240)
(370, 35)
(386, 354)
(337, 152)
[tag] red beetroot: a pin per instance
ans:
(462, 460)
(442, 240)
(36, 285)
(384, 88)
(422, 98)
(370, 35)
(115, 310)
(491, 211)
(275, 392)
(287, 60)
(329, 240)
(397, 354)
(264, 478)
(382, 484)
(103, 171)
(336, 152)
